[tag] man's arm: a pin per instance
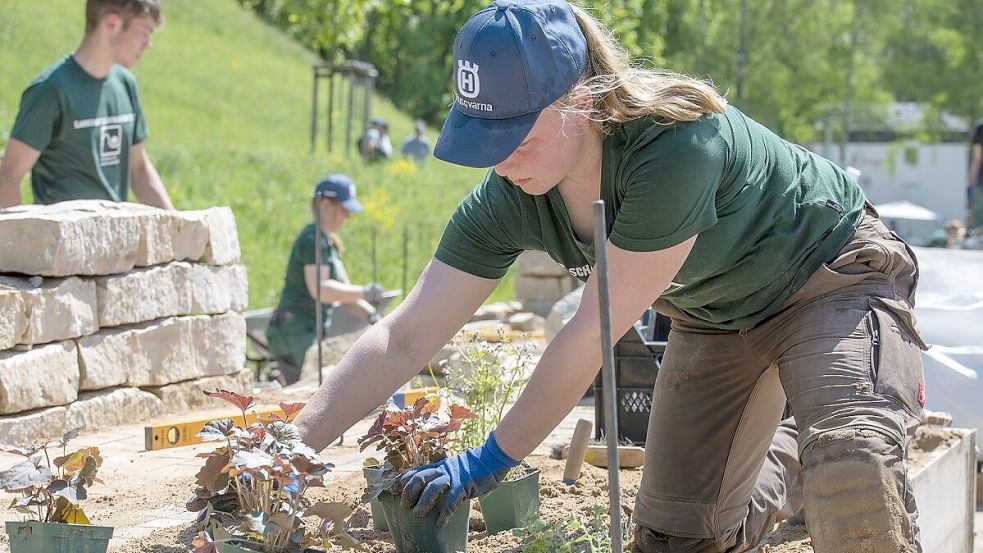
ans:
(392, 351)
(17, 161)
(145, 181)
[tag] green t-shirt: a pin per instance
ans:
(83, 127)
(768, 213)
(295, 299)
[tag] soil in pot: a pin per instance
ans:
(51, 537)
(414, 535)
(514, 502)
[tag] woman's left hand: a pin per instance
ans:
(469, 474)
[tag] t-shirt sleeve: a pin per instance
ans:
(140, 131)
(39, 118)
(482, 236)
(978, 133)
(668, 189)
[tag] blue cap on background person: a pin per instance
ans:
(511, 61)
(340, 189)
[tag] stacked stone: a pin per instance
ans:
(115, 313)
(541, 282)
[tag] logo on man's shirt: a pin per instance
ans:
(110, 135)
(110, 144)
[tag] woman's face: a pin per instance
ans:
(550, 152)
(333, 215)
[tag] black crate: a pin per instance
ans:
(637, 359)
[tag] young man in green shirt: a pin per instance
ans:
(780, 280)
(80, 129)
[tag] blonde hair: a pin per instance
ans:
(622, 92)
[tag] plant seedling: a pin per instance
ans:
(51, 490)
(412, 437)
(262, 472)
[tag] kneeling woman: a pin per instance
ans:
(293, 327)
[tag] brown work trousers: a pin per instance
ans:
(844, 351)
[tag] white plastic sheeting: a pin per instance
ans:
(949, 308)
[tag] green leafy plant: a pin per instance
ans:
(489, 378)
(412, 437)
(263, 472)
(51, 490)
(572, 534)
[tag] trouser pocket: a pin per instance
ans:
(896, 362)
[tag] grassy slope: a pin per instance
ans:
(228, 103)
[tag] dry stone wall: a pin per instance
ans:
(113, 313)
(541, 282)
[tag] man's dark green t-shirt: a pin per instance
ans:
(768, 214)
(295, 299)
(83, 127)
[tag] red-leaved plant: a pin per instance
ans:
(410, 437)
(50, 490)
(261, 474)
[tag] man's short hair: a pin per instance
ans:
(95, 10)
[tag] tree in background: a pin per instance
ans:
(788, 63)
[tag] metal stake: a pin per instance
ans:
(607, 374)
(319, 330)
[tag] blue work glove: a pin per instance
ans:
(469, 474)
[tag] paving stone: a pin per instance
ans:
(537, 263)
(112, 408)
(45, 376)
(81, 237)
(182, 397)
(56, 308)
(13, 317)
(33, 426)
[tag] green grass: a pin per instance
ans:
(227, 99)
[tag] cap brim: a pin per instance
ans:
(352, 206)
(476, 142)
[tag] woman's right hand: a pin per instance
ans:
(372, 293)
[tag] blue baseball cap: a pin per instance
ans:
(340, 189)
(511, 61)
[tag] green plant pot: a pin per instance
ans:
(413, 535)
(53, 537)
(378, 516)
(247, 546)
(512, 504)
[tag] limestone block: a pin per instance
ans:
(57, 308)
(562, 311)
(157, 352)
(190, 235)
(526, 322)
(33, 426)
(535, 288)
(157, 234)
(222, 247)
(42, 377)
(143, 295)
(216, 289)
(13, 317)
(332, 350)
(82, 237)
(219, 342)
(537, 263)
(188, 395)
(112, 408)
(496, 311)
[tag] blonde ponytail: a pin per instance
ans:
(622, 92)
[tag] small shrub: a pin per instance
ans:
(51, 490)
(572, 534)
(263, 472)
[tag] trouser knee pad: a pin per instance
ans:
(857, 497)
(652, 541)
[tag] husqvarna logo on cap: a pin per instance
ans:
(468, 84)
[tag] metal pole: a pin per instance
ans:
(348, 122)
(319, 325)
(330, 109)
(314, 109)
(607, 374)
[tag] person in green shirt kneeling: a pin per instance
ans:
(780, 280)
(293, 327)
